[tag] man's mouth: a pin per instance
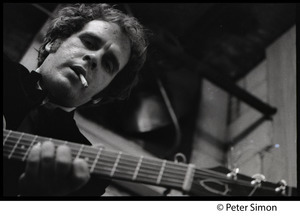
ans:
(80, 71)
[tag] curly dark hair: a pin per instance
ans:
(72, 19)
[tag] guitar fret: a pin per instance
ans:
(161, 171)
(29, 148)
(149, 169)
(79, 152)
(116, 164)
(186, 186)
(137, 168)
(9, 132)
(15, 146)
(96, 160)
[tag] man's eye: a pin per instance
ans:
(108, 66)
(89, 43)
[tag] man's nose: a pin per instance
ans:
(91, 58)
(94, 58)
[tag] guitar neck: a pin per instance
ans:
(109, 164)
(119, 165)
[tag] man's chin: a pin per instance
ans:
(63, 102)
(63, 96)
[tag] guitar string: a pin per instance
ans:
(103, 160)
(239, 182)
(197, 171)
(106, 168)
(92, 150)
(204, 172)
(170, 181)
(253, 191)
(211, 174)
(246, 182)
(101, 170)
(199, 188)
(166, 175)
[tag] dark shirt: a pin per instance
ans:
(23, 112)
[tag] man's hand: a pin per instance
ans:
(50, 171)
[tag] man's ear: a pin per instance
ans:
(48, 47)
(51, 47)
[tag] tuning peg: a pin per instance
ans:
(179, 158)
(258, 178)
(282, 187)
(233, 173)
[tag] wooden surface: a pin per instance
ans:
(281, 65)
(209, 137)
(270, 147)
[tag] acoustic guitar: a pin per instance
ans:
(174, 175)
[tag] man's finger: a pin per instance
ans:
(63, 162)
(31, 174)
(47, 163)
(81, 174)
(33, 160)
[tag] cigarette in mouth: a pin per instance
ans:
(83, 80)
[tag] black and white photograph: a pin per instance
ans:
(159, 101)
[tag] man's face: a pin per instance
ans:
(98, 52)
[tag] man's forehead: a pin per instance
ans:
(104, 28)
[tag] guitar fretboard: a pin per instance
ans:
(117, 165)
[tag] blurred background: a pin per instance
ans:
(219, 86)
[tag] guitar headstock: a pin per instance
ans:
(220, 181)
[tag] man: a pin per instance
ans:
(91, 53)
